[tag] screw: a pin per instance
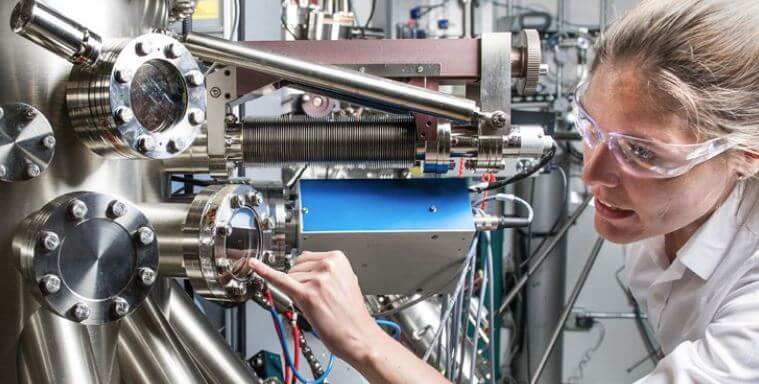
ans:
(145, 235)
(362, 69)
(176, 144)
(123, 76)
(543, 69)
(236, 201)
(30, 114)
(256, 198)
(81, 311)
(269, 257)
(173, 50)
(144, 48)
(318, 101)
(48, 142)
(33, 170)
(120, 307)
(196, 116)
(77, 209)
(433, 209)
(3, 171)
(147, 276)
(146, 143)
(420, 69)
(268, 222)
(194, 78)
(498, 119)
(224, 230)
(50, 284)
(50, 240)
(117, 208)
(304, 210)
(123, 115)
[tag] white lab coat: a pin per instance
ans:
(704, 306)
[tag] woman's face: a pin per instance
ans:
(630, 208)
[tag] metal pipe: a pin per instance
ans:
(604, 16)
(568, 308)
(467, 24)
(217, 362)
(355, 86)
(542, 257)
(168, 220)
(57, 33)
(614, 315)
(150, 352)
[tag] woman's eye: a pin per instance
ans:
(641, 151)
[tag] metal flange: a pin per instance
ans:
(145, 99)
(27, 143)
(89, 257)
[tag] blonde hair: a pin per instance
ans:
(701, 59)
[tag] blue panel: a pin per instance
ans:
(385, 205)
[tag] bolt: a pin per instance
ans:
(3, 171)
(30, 114)
(123, 115)
(362, 69)
(146, 143)
(147, 276)
(120, 307)
(196, 116)
(33, 170)
(305, 98)
(269, 257)
(48, 142)
(144, 48)
(543, 69)
(77, 209)
(224, 230)
(2, 113)
(498, 119)
(236, 201)
(194, 78)
(50, 240)
(176, 144)
(433, 209)
(123, 76)
(318, 101)
(420, 69)
(81, 311)
(145, 235)
(304, 210)
(256, 199)
(50, 284)
(117, 208)
(173, 50)
(268, 222)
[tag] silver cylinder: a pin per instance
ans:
(150, 352)
(193, 160)
(168, 220)
(217, 362)
(362, 88)
(365, 143)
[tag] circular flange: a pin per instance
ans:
(87, 259)
(146, 100)
(231, 225)
(27, 143)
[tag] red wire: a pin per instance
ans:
(296, 347)
(489, 178)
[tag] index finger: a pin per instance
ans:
(281, 280)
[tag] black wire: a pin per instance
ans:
(544, 160)
(200, 183)
(287, 27)
(371, 14)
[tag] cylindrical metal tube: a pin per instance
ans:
(192, 160)
(369, 142)
(217, 362)
(56, 33)
(353, 85)
(150, 352)
(168, 220)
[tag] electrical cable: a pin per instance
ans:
(296, 176)
(392, 325)
(588, 355)
(527, 172)
(478, 319)
(491, 312)
(503, 197)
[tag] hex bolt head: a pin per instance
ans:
(196, 117)
(123, 76)
(117, 208)
(120, 307)
(50, 284)
(49, 142)
(123, 115)
(50, 240)
(144, 48)
(236, 201)
(173, 50)
(256, 198)
(146, 143)
(267, 222)
(33, 170)
(3, 171)
(194, 78)
(30, 114)
(224, 230)
(147, 276)
(145, 236)
(176, 144)
(77, 209)
(81, 311)
(498, 119)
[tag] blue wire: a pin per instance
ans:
(289, 358)
(391, 324)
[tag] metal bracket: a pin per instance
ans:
(222, 89)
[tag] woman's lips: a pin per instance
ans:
(610, 212)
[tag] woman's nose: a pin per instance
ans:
(600, 167)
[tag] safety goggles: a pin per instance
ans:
(645, 157)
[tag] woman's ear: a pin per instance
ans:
(747, 164)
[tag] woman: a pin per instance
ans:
(670, 121)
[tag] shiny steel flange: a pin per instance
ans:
(232, 224)
(146, 98)
(89, 257)
(27, 143)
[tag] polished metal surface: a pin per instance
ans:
(529, 71)
(206, 347)
(360, 87)
(168, 220)
(27, 143)
(149, 350)
(83, 254)
(37, 77)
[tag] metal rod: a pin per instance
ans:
(543, 256)
(356, 86)
(568, 308)
(614, 315)
(604, 14)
